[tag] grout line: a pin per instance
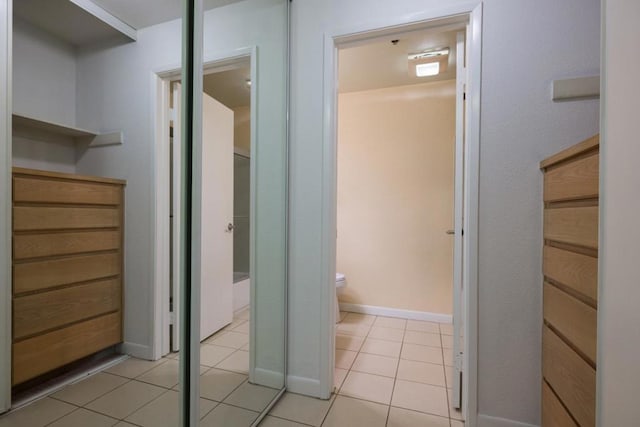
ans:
(395, 378)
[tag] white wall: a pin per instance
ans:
(58, 156)
(116, 92)
(526, 44)
(44, 70)
(619, 293)
(395, 158)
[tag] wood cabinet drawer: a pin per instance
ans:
(41, 312)
(40, 275)
(572, 378)
(577, 179)
(35, 190)
(51, 244)
(38, 355)
(31, 218)
(576, 226)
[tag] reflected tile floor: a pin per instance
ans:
(145, 394)
(389, 372)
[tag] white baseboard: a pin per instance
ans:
(396, 312)
(305, 386)
(488, 421)
(137, 350)
(241, 294)
(267, 378)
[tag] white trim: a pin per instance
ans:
(267, 378)
(328, 223)
(396, 312)
(6, 35)
(487, 421)
(106, 17)
(137, 350)
(304, 386)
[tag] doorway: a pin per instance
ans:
(462, 390)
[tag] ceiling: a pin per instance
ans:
(230, 86)
(378, 63)
(144, 13)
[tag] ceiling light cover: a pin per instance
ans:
(428, 69)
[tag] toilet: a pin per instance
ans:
(341, 282)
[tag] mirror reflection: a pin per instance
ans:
(98, 212)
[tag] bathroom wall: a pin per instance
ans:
(395, 196)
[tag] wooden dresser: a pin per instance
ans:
(570, 266)
(67, 269)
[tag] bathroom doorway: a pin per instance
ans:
(443, 56)
(225, 189)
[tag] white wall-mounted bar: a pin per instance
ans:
(576, 89)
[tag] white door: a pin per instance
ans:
(216, 287)
(458, 282)
(215, 192)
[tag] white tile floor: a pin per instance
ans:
(389, 372)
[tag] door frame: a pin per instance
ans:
(161, 87)
(6, 47)
(472, 13)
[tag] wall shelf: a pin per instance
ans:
(79, 22)
(39, 129)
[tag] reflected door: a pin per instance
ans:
(216, 288)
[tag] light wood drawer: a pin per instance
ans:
(575, 320)
(42, 245)
(40, 275)
(573, 379)
(577, 271)
(574, 180)
(49, 310)
(61, 191)
(577, 226)
(553, 413)
(29, 218)
(41, 354)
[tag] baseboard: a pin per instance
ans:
(396, 312)
(305, 386)
(136, 350)
(267, 378)
(488, 421)
(241, 294)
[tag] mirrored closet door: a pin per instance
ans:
(99, 169)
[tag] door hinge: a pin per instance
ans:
(172, 114)
(172, 318)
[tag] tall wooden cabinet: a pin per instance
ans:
(570, 267)
(67, 269)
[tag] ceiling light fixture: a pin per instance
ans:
(428, 63)
(429, 69)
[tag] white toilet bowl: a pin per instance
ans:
(341, 282)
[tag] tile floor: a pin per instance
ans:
(389, 372)
(142, 393)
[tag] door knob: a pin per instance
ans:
(450, 232)
(230, 227)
